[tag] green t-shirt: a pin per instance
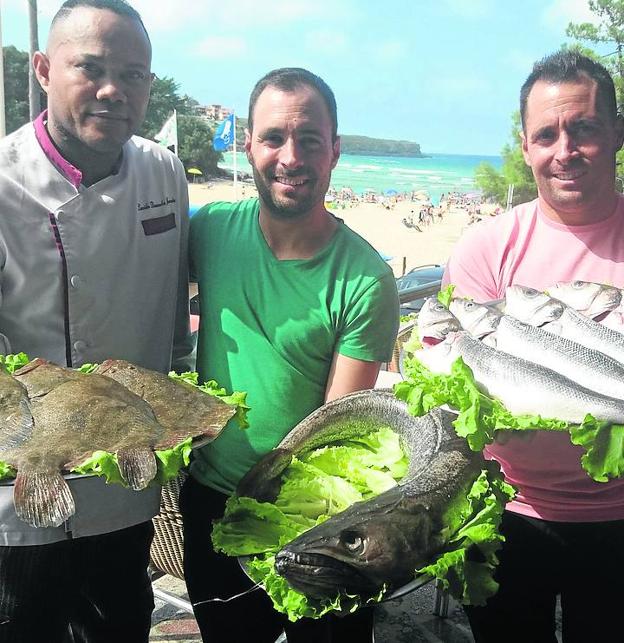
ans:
(271, 327)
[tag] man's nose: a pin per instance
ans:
(566, 147)
(291, 155)
(111, 89)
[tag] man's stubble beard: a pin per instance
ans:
(285, 211)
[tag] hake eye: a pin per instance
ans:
(352, 541)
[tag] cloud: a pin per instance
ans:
(559, 13)
(468, 8)
(459, 86)
(390, 51)
(520, 61)
(327, 41)
(218, 47)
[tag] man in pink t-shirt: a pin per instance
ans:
(564, 532)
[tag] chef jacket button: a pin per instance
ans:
(75, 281)
(80, 345)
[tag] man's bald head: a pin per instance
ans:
(120, 7)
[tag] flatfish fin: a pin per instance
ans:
(137, 466)
(42, 499)
(18, 426)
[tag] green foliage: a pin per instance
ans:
(194, 134)
(514, 172)
(195, 141)
(16, 65)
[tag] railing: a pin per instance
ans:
(418, 292)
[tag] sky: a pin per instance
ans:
(443, 73)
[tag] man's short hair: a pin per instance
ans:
(120, 7)
(569, 66)
(288, 79)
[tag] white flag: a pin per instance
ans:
(168, 135)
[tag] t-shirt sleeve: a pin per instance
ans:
(372, 323)
(471, 267)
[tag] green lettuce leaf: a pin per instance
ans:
(237, 398)
(261, 529)
(445, 295)
(480, 417)
(13, 362)
(473, 523)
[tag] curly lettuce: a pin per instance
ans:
(329, 479)
(480, 416)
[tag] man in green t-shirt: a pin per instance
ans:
(296, 310)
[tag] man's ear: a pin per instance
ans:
(41, 65)
(619, 132)
(247, 144)
(525, 148)
(335, 152)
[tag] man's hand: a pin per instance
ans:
(348, 375)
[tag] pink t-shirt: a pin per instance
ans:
(524, 247)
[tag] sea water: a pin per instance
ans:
(436, 174)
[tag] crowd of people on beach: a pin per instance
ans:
(97, 253)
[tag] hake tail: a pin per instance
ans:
(137, 466)
(42, 499)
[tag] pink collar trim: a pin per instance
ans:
(71, 173)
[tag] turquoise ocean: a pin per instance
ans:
(436, 174)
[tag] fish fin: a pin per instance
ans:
(20, 426)
(42, 499)
(31, 366)
(137, 466)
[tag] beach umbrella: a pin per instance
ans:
(391, 192)
(194, 171)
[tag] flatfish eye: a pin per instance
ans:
(578, 284)
(531, 292)
(352, 541)
(439, 308)
(469, 304)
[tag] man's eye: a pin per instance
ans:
(135, 75)
(310, 143)
(544, 137)
(90, 69)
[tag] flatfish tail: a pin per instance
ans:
(137, 466)
(42, 498)
(17, 426)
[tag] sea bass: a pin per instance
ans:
(523, 387)
(478, 319)
(537, 309)
(381, 541)
(588, 298)
(589, 368)
(435, 321)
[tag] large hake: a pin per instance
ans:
(381, 541)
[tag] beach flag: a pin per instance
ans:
(168, 135)
(225, 135)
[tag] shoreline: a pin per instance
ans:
(386, 225)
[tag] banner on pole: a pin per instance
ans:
(225, 135)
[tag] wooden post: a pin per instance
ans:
(404, 268)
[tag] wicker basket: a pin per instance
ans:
(167, 550)
(405, 332)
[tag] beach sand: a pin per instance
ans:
(382, 228)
